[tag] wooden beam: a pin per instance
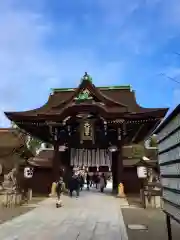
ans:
(137, 133)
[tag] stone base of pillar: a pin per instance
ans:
(121, 196)
(53, 190)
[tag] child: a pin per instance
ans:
(59, 189)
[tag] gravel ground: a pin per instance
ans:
(154, 219)
(9, 213)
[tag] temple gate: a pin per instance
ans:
(96, 119)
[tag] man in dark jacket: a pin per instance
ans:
(88, 180)
(81, 181)
(74, 185)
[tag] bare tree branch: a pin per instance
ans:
(177, 53)
(170, 78)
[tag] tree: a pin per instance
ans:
(33, 144)
(153, 141)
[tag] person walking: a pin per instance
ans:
(97, 180)
(105, 180)
(87, 180)
(59, 189)
(74, 185)
(102, 183)
(81, 181)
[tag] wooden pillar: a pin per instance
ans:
(56, 163)
(117, 168)
(120, 166)
(114, 171)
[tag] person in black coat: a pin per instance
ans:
(74, 185)
(88, 180)
(81, 181)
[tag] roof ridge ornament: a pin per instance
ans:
(86, 77)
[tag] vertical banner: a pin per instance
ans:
(93, 157)
(106, 157)
(90, 157)
(97, 157)
(86, 160)
(81, 157)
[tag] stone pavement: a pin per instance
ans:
(93, 216)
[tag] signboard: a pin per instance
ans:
(142, 172)
(168, 138)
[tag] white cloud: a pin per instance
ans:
(28, 67)
(117, 12)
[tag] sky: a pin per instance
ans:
(48, 44)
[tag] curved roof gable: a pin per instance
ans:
(87, 85)
(114, 99)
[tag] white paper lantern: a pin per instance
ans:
(62, 148)
(142, 172)
(28, 172)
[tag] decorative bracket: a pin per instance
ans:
(84, 95)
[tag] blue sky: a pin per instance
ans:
(46, 44)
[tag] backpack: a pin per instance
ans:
(59, 186)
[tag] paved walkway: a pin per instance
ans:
(93, 216)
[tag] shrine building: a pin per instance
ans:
(88, 127)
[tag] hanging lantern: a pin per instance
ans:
(28, 172)
(113, 148)
(62, 148)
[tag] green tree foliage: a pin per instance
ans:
(138, 151)
(153, 141)
(33, 144)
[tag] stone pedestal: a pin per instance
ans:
(155, 202)
(150, 199)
